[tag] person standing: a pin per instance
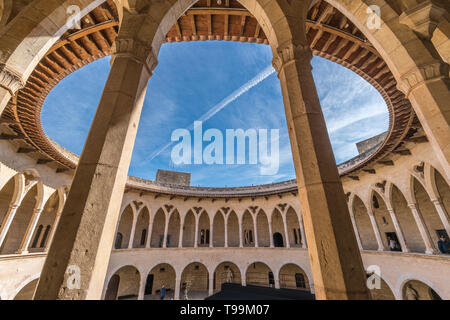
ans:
(442, 245)
(393, 244)
(162, 292)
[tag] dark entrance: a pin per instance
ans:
(149, 285)
(278, 240)
(113, 288)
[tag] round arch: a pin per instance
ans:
(412, 288)
(194, 282)
(226, 272)
(259, 274)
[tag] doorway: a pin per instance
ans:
(278, 240)
(149, 285)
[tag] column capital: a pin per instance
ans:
(412, 206)
(289, 53)
(137, 50)
(436, 201)
(433, 71)
(14, 206)
(424, 18)
(10, 80)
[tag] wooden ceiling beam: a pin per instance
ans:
(218, 11)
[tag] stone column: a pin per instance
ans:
(166, 230)
(430, 248)
(255, 224)
(132, 233)
(277, 281)
(180, 239)
(442, 214)
(336, 262)
(26, 241)
(355, 228)
(376, 231)
(7, 220)
(211, 230)
(241, 242)
(302, 231)
(149, 235)
(176, 295)
(85, 235)
(398, 230)
(142, 288)
(10, 83)
(211, 285)
(226, 232)
(286, 232)
(271, 234)
(197, 221)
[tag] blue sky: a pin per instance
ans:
(193, 77)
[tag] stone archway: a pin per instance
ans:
(406, 220)
(292, 276)
(430, 216)
(189, 230)
(204, 232)
(262, 225)
(233, 229)
(113, 288)
(125, 227)
(259, 274)
(27, 292)
(248, 230)
(45, 223)
(160, 275)
(195, 277)
(382, 291)
(158, 226)
(364, 226)
(22, 219)
(141, 230)
(226, 272)
(124, 284)
(278, 229)
(173, 231)
(418, 290)
(384, 221)
(218, 230)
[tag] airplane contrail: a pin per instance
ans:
(260, 77)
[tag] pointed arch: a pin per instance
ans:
(293, 225)
(47, 220)
(292, 276)
(383, 218)
(248, 229)
(141, 229)
(203, 229)
(189, 229)
(233, 229)
(427, 209)
(173, 231)
(363, 224)
(278, 234)
(219, 230)
(123, 235)
(406, 220)
(158, 227)
(22, 218)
